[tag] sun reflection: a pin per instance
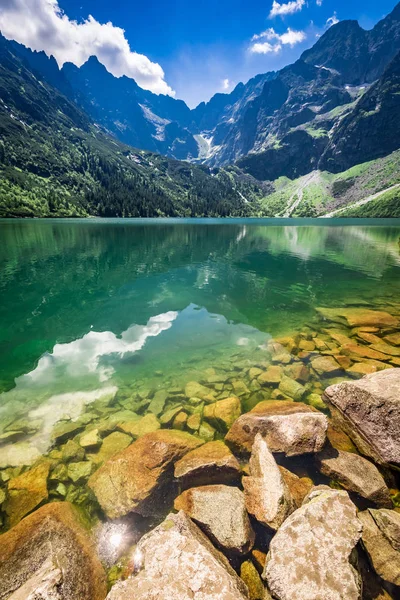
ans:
(137, 560)
(113, 539)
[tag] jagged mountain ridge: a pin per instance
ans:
(275, 124)
(360, 56)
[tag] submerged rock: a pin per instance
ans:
(65, 430)
(127, 482)
(381, 540)
(157, 404)
(193, 389)
(272, 376)
(289, 427)
(293, 389)
(220, 511)
(355, 474)
(112, 444)
(72, 451)
(222, 414)
(177, 561)
(141, 426)
(252, 579)
(16, 455)
(91, 439)
(325, 366)
(368, 410)
(360, 317)
(393, 338)
(50, 551)
(211, 463)
(79, 471)
(26, 492)
(309, 555)
(267, 495)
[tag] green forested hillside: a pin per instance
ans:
(55, 162)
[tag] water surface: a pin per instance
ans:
(90, 307)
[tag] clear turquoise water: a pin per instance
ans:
(88, 306)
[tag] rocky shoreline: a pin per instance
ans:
(276, 478)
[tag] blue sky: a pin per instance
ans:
(191, 49)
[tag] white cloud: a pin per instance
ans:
(42, 25)
(226, 84)
(333, 20)
(275, 41)
(319, 2)
(286, 9)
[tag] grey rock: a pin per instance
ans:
(177, 561)
(220, 511)
(355, 474)
(289, 427)
(309, 555)
(368, 410)
(267, 496)
(381, 540)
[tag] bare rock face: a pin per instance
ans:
(355, 474)
(220, 511)
(381, 540)
(289, 427)
(179, 562)
(50, 556)
(309, 555)
(368, 410)
(127, 482)
(267, 495)
(211, 463)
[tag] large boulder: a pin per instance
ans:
(26, 492)
(220, 511)
(355, 474)
(211, 463)
(50, 554)
(129, 480)
(176, 560)
(381, 540)
(293, 428)
(309, 555)
(267, 496)
(368, 410)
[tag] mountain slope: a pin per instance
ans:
(371, 129)
(55, 162)
(133, 115)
